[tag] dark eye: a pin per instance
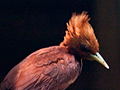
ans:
(84, 48)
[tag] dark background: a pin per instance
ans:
(28, 25)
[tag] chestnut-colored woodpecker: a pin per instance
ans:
(56, 67)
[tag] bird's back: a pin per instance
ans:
(49, 68)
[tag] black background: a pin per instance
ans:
(28, 25)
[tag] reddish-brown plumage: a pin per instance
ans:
(46, 69)
(56, 67)
(80, 32)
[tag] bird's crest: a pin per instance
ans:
(79, 31)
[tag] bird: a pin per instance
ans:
(57, 67)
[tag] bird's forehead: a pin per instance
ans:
(94, 47)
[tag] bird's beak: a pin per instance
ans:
(99, 59)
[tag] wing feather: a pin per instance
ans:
(43, 70)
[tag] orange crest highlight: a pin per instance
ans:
(79, 31)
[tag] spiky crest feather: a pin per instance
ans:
(80, 32)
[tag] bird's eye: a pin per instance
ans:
(84, 48)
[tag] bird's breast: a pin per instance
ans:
(75, 70)
(71, 67)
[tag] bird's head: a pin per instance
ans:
(80, 39)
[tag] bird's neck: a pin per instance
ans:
(70, 48)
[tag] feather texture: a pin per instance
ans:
(39, 71)
(80, 32)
